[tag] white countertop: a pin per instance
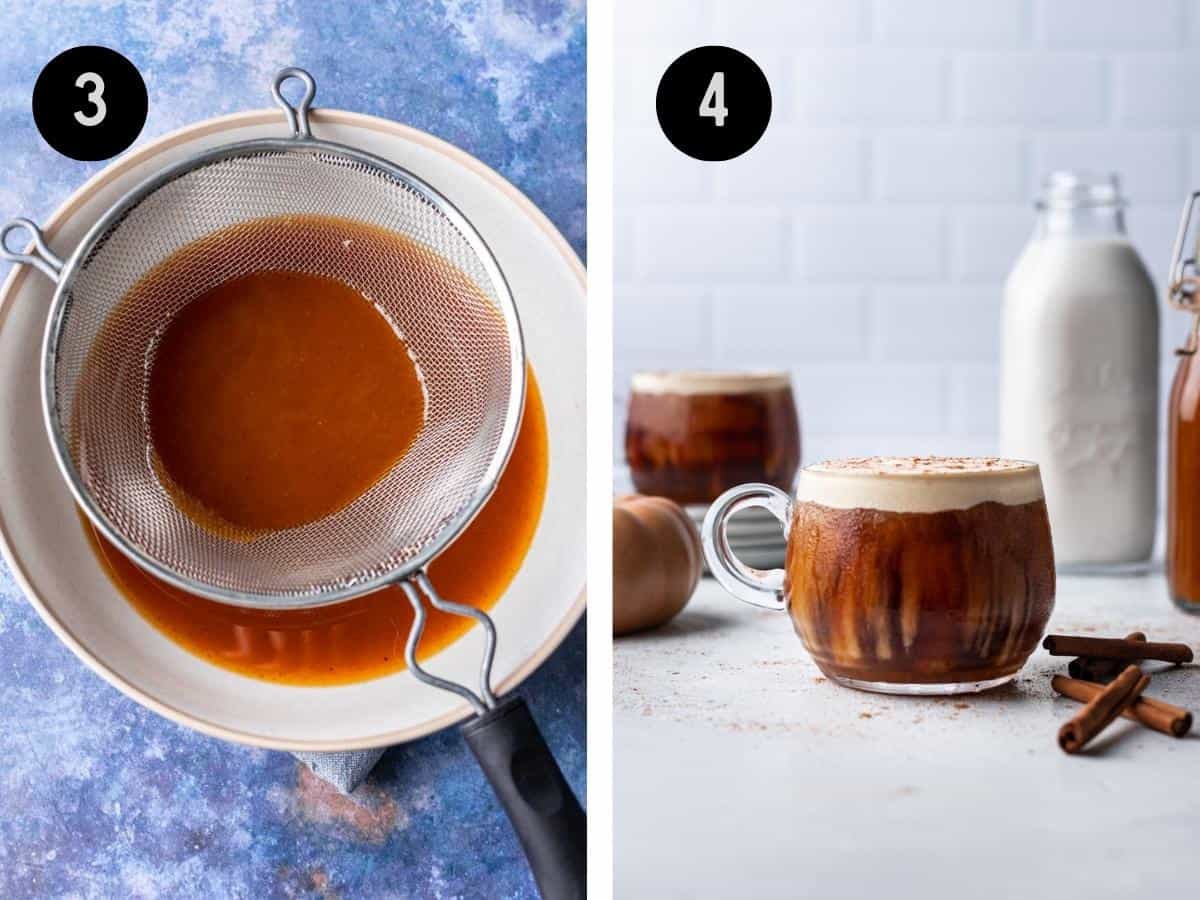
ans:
(742, 772)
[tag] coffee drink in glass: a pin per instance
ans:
(906, 575)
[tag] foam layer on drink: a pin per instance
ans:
(919, 484)
(698, 382)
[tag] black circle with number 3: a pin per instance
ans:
(714, 103)
(90, 103)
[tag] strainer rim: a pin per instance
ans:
(59, 442)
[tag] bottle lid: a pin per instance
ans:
(1072, 190)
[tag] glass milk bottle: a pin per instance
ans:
(1079, 379)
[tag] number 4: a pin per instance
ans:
(713, 104)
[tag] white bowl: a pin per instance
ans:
(44, 544)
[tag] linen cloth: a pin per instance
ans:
(345, 770)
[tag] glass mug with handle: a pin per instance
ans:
(692, 434)
(904, 575)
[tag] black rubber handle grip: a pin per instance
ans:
(548, 819)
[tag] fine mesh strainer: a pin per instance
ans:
(462, 329)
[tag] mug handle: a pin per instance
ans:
(756, 586)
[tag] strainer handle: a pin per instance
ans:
(544, 812)
(40, 256)
(512, 753)
(297, 116)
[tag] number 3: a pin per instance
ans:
(94, 97)
(713, 104)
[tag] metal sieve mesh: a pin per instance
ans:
(460, 326)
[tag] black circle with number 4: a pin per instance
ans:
(714, 103)
(89, 103)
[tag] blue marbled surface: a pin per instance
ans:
(100, 798)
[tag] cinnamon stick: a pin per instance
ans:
(1149, 711)
(1116, 648)
(1099, 712)
(1090, 668)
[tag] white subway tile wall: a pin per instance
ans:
(864, 242)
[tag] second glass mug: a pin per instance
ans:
(897, 587)
(692, 434)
